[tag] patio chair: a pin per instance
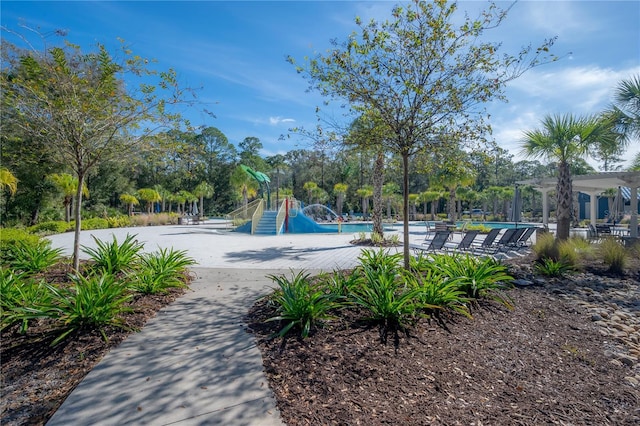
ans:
(430, 230)
(523, 241)
(437, 243)
(516, 237)
(506, 239)
(487, 243)
(465, 243)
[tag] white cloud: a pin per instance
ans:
(274, 121)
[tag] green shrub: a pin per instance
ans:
(435, 293)
(300, 302)
(10, 237)
(476, 277)
(18, 292)
(158, 272)
(568, 254)
(92, 302)
(613, 254)
(119, 221)
(33, 258)
(94, 223)
(380, 260)
(51, 227)
(341, 283)
(113, 258)
(552, 268)
(390, 304)
(480, 227)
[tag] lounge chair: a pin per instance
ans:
(435, 244)
(523, 241)
(516, 237)
(465, 243)
(487, 243)
(506, 239)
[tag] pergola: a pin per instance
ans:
(593, 185)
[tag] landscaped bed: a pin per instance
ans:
(546, 361)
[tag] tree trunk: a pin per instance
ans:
(564, 199)
(78, 225)
(201, 212)
(405, 208)
(452, 205)
(378, 180)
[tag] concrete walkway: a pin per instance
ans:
(194, 363)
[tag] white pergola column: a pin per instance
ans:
(593, 207)
(545, 205)
(633, 223)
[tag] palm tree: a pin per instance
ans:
(563, 139)
(626, 107)
(340, 190)
(68, 184)
(244, 185)
(130, 201)
(201, 191)
(365, 193)
(635, 165)
(310, 187)
(414, 200)
(389, 190)
(8, 180)
(149, 195)
(430, 196)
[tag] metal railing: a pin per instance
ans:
(282, 212)
(244, 214)
(257, 215)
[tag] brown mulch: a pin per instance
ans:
(542, 363)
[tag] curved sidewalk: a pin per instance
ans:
(194, 363)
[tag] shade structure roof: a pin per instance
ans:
(594, 183)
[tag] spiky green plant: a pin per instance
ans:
(160, 271)
(476, 277)
(380, 260)
(342, 283)
(613, 254)
(546, 247)
(299, 302)
(552, 268)
(32, 258)
(390, 304)
(93, 302)
(113, 257)
(436, 294)
(19, 291)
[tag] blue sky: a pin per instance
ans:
(236, 51)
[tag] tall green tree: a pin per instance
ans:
(425, 73)
(340, 190)
(202, 191)
(564, 139)
(130, 201)
(150, 196)
(626, 108)
(68, 185)
(79, 103)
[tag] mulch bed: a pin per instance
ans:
(542, 363)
